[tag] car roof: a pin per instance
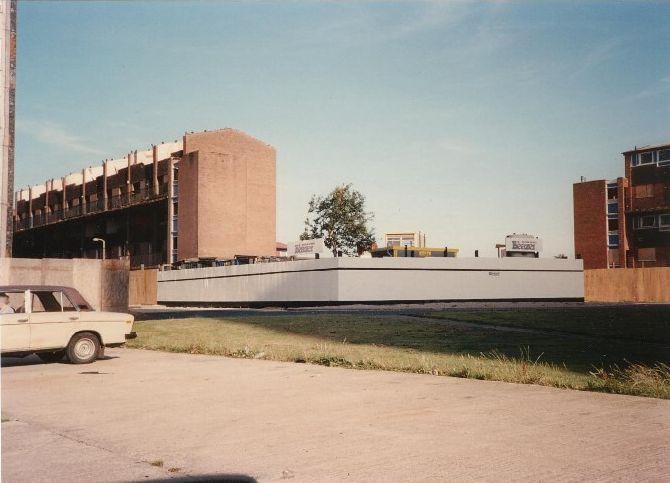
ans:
(40, 288)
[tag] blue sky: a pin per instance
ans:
(465, 120)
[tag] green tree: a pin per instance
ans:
(341, 220)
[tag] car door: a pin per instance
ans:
(50, 326)
(15, 327)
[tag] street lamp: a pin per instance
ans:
(100, 240)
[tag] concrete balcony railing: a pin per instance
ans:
(113, 202)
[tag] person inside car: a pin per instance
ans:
(5, 308)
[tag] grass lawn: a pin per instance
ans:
(587, 349)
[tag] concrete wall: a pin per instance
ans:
(227, 194)
(7, 105)
(342, 280)
(627, 285)
(85, 275)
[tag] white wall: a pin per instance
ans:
(341, 280)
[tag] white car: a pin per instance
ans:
(55, 322)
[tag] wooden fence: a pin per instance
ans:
(627, 285)
(143, 287)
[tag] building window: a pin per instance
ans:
(664, 156)
(612, 208)
(612, 224)
(647, 158)
(612, 191)
(664, 222)
(613, 240)
(647, 221)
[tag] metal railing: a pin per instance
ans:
(113, 202)
(72, 212)
(54, 216)
(22, 224)
(95, 206)
(38, 220)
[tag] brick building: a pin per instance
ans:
(626, 222)
(210, 196)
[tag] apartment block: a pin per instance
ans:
(208, 197)
(626, 222)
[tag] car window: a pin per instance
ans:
(51, 302)
(16, 300)
(68, 306)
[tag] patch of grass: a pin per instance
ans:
(435, 346)
(635, 379)
(5, 420)
(157, 463)
(630, 323)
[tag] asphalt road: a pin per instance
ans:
(209, 417)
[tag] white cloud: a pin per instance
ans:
(51, 133)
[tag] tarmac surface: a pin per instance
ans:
(148, 416)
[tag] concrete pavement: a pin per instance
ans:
(207, 415)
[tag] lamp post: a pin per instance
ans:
(100, 240)
(102, 268)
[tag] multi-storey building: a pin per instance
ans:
(210, 196)
(402, 238)
(626, 222)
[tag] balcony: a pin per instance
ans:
(22, 224)
(38, 220)
(72, 212)
(54, 216)
(114, 202)
(95, 206)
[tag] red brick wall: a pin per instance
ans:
(590, 222)
(236, 196)
(187, 245)
(623, 191)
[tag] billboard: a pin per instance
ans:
(308, 249)
(523, 244)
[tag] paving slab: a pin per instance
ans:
(207, 417)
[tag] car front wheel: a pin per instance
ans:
(83, 348)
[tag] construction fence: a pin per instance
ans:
(143, 287)
(627, 285)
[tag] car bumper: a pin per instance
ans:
(131, 335)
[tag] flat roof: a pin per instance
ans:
(648, 147)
